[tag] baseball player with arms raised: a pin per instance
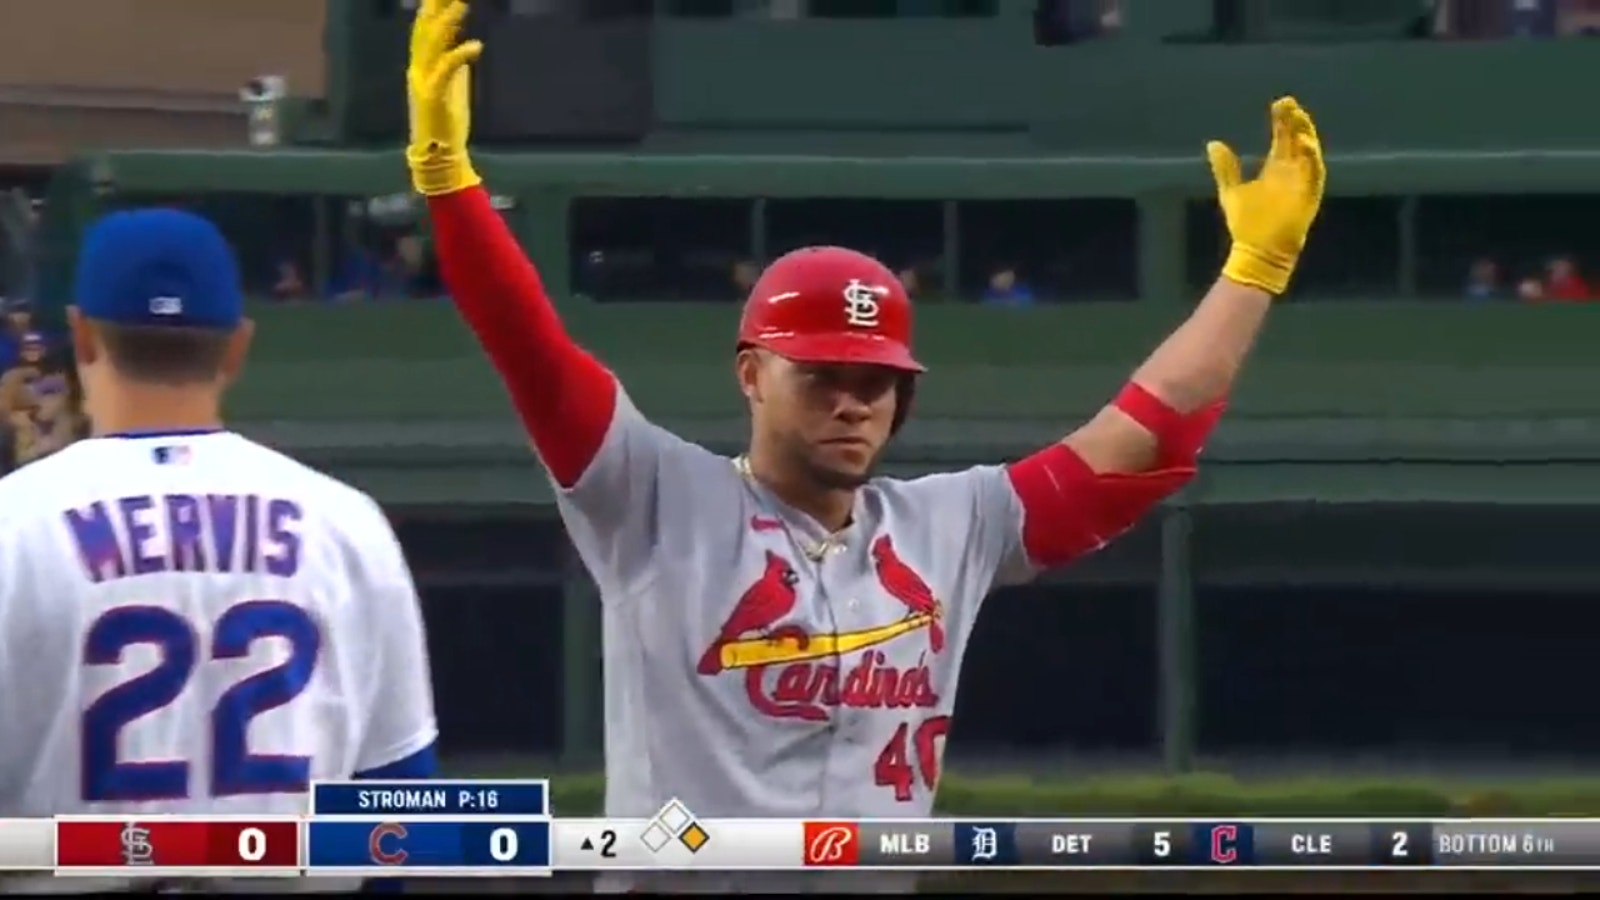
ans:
(783, 631)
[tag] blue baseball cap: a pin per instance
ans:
(160, 267)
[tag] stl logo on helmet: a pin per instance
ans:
(861, 306)
(792, 673)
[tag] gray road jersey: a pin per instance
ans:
(756, 666)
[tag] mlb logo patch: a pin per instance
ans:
(173, 455)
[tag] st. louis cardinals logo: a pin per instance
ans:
(793, 673)
(861, 306)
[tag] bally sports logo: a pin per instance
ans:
(793, 673)
(832, 844)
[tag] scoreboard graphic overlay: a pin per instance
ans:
(364, 829)
(495, 829)
(676, 839)
(436, 828)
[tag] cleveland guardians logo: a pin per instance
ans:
(1224, 844)
(791, 673)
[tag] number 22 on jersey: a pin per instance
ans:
(183, 658)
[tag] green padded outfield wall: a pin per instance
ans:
(1409, 127)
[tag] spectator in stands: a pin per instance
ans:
(743, 275)
(16, 383)
(18, 323)
(51, 424)
(1483, 281)
(911, 281)
(1005, 289)
(1057, 22)
(409, 273)
(1495, 19)
(290, 285)
(1579, 17)
(360, 275)
(1562, 281)
(1532, 18)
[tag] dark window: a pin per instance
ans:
(903, 234)
(572, 9)
(1480, 20)
(1063, 250)
(949, 9)
(1336, 20)
(1353, 251)
(854, 9)
(1206, 244)
(697, 9)
(658, 248)
(1057, 22)
(304, 247)
(485, 634)
(1520, 235)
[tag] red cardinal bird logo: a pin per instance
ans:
(771, 598)
(904, 584)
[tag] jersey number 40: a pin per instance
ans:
(234, 769)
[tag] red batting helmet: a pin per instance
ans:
(830, 305)
(833, 305)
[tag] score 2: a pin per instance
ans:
(1402, 844)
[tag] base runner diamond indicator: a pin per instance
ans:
(694, 837)
(674, 818)
(675, 822)
(655, 837)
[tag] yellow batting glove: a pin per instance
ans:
(1270, 216)
(438, 79)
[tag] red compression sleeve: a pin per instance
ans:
(1179, 436)
(1069, 510)
(564, 396)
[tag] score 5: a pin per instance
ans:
(1161, 844)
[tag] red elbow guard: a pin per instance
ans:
(1069, 510)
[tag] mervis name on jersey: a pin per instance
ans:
(218, 533)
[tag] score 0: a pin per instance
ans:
(522, 845)
(268, 844)
(252, 845)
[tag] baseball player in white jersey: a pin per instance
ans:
(783, 630)
(191, 623)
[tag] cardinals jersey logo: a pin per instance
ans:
(904, 584)
(771, 598)
(793, 672)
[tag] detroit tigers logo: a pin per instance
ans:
(790, 672)
(861, 306)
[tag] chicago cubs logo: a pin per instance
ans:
(792, 673)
